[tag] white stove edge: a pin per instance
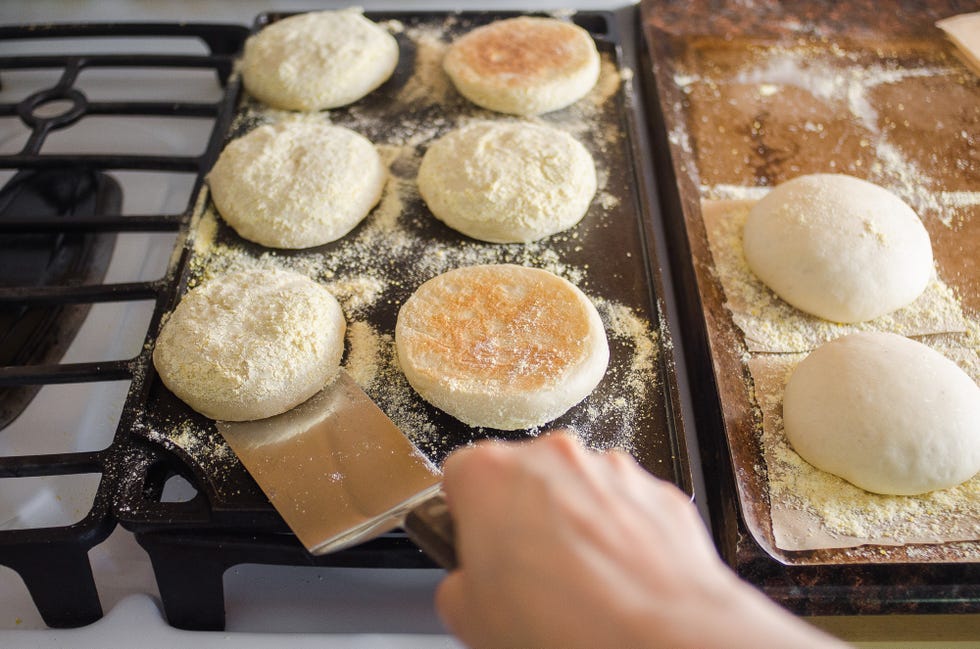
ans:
(141, 611)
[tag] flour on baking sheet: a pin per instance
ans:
(772, 325)
(813, 509)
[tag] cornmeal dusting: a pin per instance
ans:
(374, 268)
(812, 506)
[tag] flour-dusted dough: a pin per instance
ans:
(501, 346)
(838, 247)
(251, 344)
(524, 66)
(318, 60)
(886, 413)
(297, 183)
(507, 182)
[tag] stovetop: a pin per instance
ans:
(266, 605)
(392, 606)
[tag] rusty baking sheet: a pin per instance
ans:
(748, 96)
(372, 270)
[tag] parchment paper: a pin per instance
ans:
(772, 325)
(812, 509)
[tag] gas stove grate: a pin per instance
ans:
(53, 560)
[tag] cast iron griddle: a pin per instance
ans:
(400, 245)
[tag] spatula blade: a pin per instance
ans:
(336, 468)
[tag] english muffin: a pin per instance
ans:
(297, 183)
(318, 60)
(507, 182)
(838, 247)
(524, 66)
(501, 346)
(251, 344)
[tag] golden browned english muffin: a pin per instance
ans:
(524, 66)
(501, 346)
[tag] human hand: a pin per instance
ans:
(563, 547)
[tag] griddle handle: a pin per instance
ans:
(430, 526)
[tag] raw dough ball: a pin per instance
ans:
(507, 182)
(885, 413)
(251, 344)
(297, 184)
(501, 346)
(524, 66)
(838, 247)
(318, 60)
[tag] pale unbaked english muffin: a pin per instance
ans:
(250, 345)
(507, 182)
(297, 183)
(318, 60)
(501, 346)
(885, 413)
(524, 66)
(838, 247)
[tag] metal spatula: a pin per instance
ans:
(339, 472)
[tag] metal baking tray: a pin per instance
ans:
(610, 255)
(713, 70)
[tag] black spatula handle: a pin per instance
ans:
(430, 526)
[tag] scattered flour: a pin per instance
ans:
(399, 245)
(846, 81)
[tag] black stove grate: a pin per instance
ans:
(33, 262)
(40, 206)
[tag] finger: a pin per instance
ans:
(457, 468)
(565, 431)
(564, 444)
(462, 616)
(449, 602)
(463, 457)
(471, 478)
